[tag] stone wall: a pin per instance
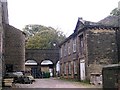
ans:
(42, 54)
(102, 49)
(14, 48)
(1, 61)
(1, 44)
(111, 77)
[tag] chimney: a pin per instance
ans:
(4, 11)
(81, 20)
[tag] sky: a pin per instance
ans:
(59, 14)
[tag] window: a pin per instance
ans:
(69, 68)
(75, 67)
(61, 52)
(65, 68)
(81, 44)
(61, 69)
(65, 50)
(74, 45)
(69, 48)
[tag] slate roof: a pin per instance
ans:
(111, 21)
(107, 23)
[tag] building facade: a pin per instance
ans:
(1, 46)
(12, 45)
(88, 49)
(14, 55)
(41, 60)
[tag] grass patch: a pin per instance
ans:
(85, 82)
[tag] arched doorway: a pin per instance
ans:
(47, 66)
(31, 68)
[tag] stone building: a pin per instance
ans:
(14, 49)
(12, 44)
(88, 49)
(1, 45)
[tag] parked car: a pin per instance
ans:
(31, 78)
(20, 78)
(18, 74)
(15, 75)
(26, 80)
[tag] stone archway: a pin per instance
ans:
(47, 66)
(31, 68)
(40, 55)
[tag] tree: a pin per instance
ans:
(115, 12)
(42, 37)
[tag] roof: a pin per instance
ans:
(111, 21)
(10, 26)
(83, 25)
(112, 66)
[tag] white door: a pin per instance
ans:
(82, 69)
(51, 72)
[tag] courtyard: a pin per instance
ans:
(55, 83)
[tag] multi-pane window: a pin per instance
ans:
(74, 45)
(81, 44)
(75, 67)
(69, 68)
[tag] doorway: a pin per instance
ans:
(47, 66)
(31, 66)
(82, 69)
(9, 68)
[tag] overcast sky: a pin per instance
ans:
(61, 14)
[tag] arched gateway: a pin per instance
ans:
(41, 60)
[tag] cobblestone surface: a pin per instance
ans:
(54, 83)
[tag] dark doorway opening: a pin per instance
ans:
(35, 72)
(9, 68)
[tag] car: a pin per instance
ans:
(26, 80)
(31, 78)
(15, 75)
(18, 74)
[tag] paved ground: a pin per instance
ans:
(54, 83)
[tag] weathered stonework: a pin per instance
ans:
(102, 49)
(96, 46)
(39, 55)
(14, 48)
(1, 46)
